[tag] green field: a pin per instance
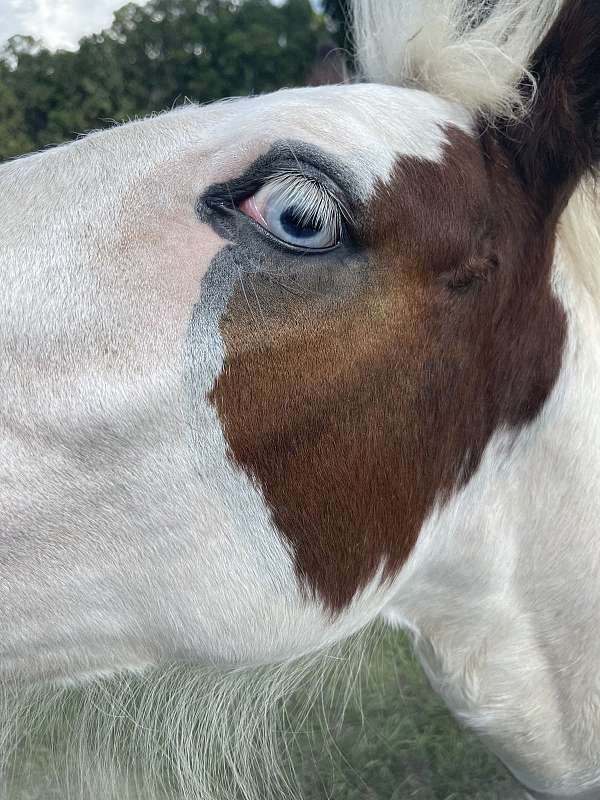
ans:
(376, 732)
(397, 741)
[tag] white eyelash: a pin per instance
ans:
(314, 203)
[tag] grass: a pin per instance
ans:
(378, 732)
(396, 740)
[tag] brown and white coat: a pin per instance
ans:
(218, 447)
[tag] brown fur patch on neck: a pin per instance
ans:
(356, 410)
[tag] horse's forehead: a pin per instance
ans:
(366, 126)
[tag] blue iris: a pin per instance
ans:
(295, 227)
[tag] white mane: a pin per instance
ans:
(579, 237)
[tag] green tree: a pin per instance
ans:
(152, 57)
(13, 139)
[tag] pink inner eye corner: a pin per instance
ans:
(250, 209)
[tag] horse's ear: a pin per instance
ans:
(558, 140)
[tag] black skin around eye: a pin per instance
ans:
(292, 156)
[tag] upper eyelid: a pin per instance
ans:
(297, 156)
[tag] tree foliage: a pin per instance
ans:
(12, 126)
(152, 57)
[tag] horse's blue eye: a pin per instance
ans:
(297, 211)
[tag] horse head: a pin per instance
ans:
(274, 367)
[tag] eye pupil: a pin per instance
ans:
(293, 225)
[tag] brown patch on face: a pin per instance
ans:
(355, 408)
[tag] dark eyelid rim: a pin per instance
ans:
(291, 154)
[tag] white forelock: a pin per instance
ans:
(453, 48)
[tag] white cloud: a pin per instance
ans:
(58, 23)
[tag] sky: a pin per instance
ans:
(58, 23)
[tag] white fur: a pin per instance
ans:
(501, 592)
(442, 46)
(128, 537)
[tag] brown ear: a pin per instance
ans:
(559, 140)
